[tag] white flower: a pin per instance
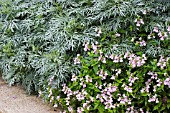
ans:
(55, 105)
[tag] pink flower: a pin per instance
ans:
(132, 80)
(84, 105)
(88, 107)
(100, 58)
(64, 112)
(162, 38)
(91, 99)
(126, 55)
(124, 99)
(70, 109)
(94, 47)
(142, 43)
(162, 62)
(159, 83)
(58, 97)
(114, 88)
(142, 90)
(77, 60)
(128, 89)
(74, 77)
(141, 110)
(168, 29)
(144, 12)
(104, 60)
(80, 110)
(86, 48)
(111, 57)
(84, 85)
(138, 23)
(100, 31)
(141, 21)
(149, 37)
(167, 82)
(113, 77)
(155, 29)
(96, 29)
(51, 99)
(88, 79)
(153, 99)
(154, 88)
(160, 34)
(165, 34)
(147, 88)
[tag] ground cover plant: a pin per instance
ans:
(128, 81)
(42, 42)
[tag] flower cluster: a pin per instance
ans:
(127, 88)
(106, 96)
(101, 57)
(139, 22)
(167, 82)
(162, 62)
(86, 46)
(141, 42)
(88, 78)
(153, 99)
(124, 99)
(156, 29)
(161, 34)
(74, 77)
(133, 110)
(116, 58)
(154, 77)
(103, 74)
(134, 60)
(132, 79)
(99, 31)
(77, 59)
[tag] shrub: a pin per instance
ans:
(37, 42)
(129, 82)
(113, 80)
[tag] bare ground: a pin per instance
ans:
(15, 100)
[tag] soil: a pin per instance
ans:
(15, 100)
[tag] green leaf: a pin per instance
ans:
(95, 68)
(122, 31)
(104, 37)
(101, 109)
(144, 94)
(156, 107)
(168, 105)
(96, 90)
(162, 108)
(96, 105)
(142, 35)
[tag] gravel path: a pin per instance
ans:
(15, 100)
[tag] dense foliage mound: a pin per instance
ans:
(120, 46)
